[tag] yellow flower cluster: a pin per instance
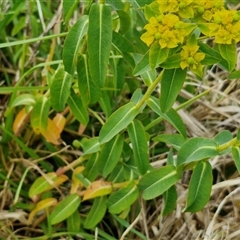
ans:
(225, 26)
(191, 57)
(168, 30)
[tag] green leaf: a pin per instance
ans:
(41, 184)
(122, 199)
(60, 89)
(158, 181)
(148, 77)
(228, 53)
(74, 222)
(96, 213)
(121, 44)
(142, 65)
(65, 208)
(125, 21)
(17, 27)
(110, 155)
(238, 134)
(176, 140)
(234, 75)
(115, 4)
(72, 43)
(171, 116)
(117, 122)
(172, 62)
(39, 115)
(91, 169)
(196, 149)
(99, 41)
(117, 175)
(89, 92)
(223, 137)
(211, 56)
(139, 141)
(199, 187)
(170, 200)
(76, 105)
(236, 157)
(171, 85)
(157, 55)
(90, 145)
(105, 104)
(68, 9)
(24, 99)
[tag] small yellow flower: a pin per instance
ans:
(192, 58)
(168, 6)
(168, 39)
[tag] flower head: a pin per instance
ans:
(191, 57)
(168, 30)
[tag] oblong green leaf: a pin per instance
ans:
(171, 116)
(60, 89)
(176, 140)
(74, 222)
(39, 115)
(41, 184)
(158, 181)
(110, 155)
(228, 53)
(99, 41)
(117, 122)
(90, 145)
(122, 199)
(121, 44)
(139, 141)
(89, 92)
(65, 208)
(68, 9)
(96, 213)
(24, 99)
(236, 157)
(234, 75)
(76, 105)
(199, 187)
(73, 43)
(211, 56)
(91, 169)
(171, 85)
(125, 21)
(172, 62)
(157, 55)
(142, 65)
(196, 149)
(170, 200)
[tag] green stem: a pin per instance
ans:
(227, 145)
(187, 103)
(123, 184)
(20, 42)
(149, 91)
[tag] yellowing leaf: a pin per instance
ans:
(44, 204)
(59, 121)
(76, 183)
(20, 121)
(52, 133)
(97, 189)
(45, 183)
